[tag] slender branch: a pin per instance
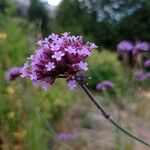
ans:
(127, 132)
(85, 89)
(107, 116)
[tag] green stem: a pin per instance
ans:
(127, 132)
(107, 116)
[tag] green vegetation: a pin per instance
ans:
(105, 66)
(83, 17)
(30, 118)
(26, 113)
(38, 14)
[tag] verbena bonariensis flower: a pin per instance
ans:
(13, 73)
(106, 84)
(124, 47)
(139, 75)
(147, 75)
(65, 137)
(141, 47)
(147, 63)
(57, 56)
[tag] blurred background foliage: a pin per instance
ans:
(106, 22)
(105, 66)
(29, 117)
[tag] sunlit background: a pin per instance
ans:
(53, 2)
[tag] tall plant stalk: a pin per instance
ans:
(107, 116)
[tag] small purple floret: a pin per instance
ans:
(72, 84)
(65, 137)
(83, 65)
(13, 73)
(141, 47)
(124, 47)
(50, 66)
(71, 50)
(58, 55)
(106, 84)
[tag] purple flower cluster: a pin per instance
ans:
(124, 46)
(147, 75)
(13, 73)
(139, 47)
(57, 56)
(106, 84)
(140, 75)
(65, 137)
(147, 63)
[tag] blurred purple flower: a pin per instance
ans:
(106, 84)
(13, 73)
(147, 63)
(147, 75)
(141, 47)
(72, 84)
(124, 46)
(139, 75)
(65, 137)
(57, 56)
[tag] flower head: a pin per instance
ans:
(147, 63)
(139, 75)
(147, 75)
(106, 84)
(124, 47)
(65, 137)
(57, 56)
(13, 73)
(141, 47)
